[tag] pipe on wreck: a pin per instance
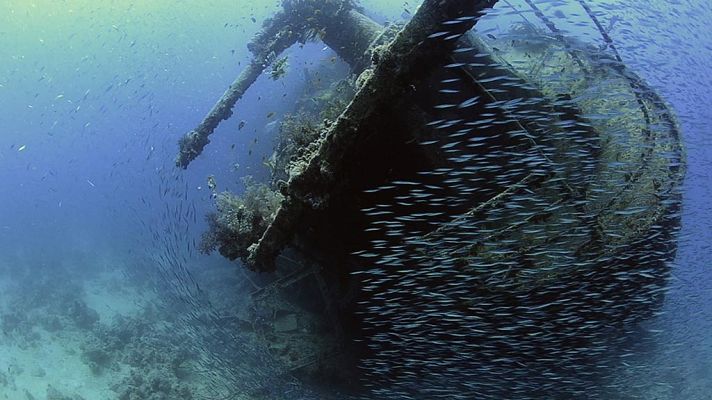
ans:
(348, 32)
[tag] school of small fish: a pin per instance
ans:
(515, 270)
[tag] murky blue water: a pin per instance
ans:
(104, 293)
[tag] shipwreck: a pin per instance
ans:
(459, 202)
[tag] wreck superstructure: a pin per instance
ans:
(465, 174)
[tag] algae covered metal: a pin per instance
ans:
(503, 207)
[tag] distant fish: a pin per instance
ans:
(23, 147)
(614, 20)
(270, 126)
(150, 153)
(438, 34)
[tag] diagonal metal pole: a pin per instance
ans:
(193, 142)
(348, 32)
(417, 50)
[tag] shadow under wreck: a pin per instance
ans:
(485, 216)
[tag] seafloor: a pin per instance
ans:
(91, 327)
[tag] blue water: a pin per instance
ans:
(98, 227)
